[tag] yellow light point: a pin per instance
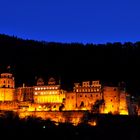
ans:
(75, 121)
(56, 123)
(123, 112)
(83, 108)
(92, 123)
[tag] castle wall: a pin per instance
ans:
(24, 94)
(123, 109)
(111, 97)
(70, 102)
(9, 106)
(65, 116)
(7, 94)
(87, 100)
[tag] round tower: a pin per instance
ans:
(7, 87)
(7, 80)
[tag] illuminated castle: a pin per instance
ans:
(88, 96)
(7, 87)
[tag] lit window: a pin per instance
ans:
(38, 88)
(41, 93)
(77, 90)
(97, 89)
(44, 88)
(41, 88)
(35, 93)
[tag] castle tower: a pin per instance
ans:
(7, 87)
(111, 97)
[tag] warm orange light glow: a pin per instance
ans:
(51, 102)
(92, 123)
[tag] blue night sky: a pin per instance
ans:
(83, 21)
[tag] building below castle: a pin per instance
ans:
(47, 97)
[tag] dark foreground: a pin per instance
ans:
(108, 127)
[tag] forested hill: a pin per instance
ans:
(110, 63)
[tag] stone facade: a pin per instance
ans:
(88, 96)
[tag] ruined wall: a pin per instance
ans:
(66, 116)
(111, 97)
(9, 106)
(87, 100)
(123, 108)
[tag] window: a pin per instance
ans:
(91, 95)
(114, 89)
(111, 100)
(85, 95)
(80, 95)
